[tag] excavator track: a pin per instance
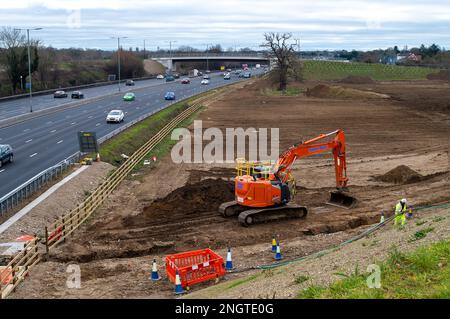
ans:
(263, 215)
(232, 208)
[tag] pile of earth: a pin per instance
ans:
(356, 79)
(400, 175)
(326, 91)
(203, 196)
(443, 75)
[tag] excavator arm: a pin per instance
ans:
(284, 164)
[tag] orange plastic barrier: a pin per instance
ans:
(5, 275)
(195, 266)
(56, 234)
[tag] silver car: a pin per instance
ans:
(115, 116)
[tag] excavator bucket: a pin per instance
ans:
(342, 199)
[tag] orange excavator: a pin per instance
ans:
(264, 192)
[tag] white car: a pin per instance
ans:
(115, 116)
(160, 76)
(204, 82)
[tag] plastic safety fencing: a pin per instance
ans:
(195, 266)
(15, 271)
(24, 191)
(65, 225)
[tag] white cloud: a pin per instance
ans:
(346, 22)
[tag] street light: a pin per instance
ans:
(297, 42)
(170, 54)
(207, 60)
(29, 62)
(144, 49)
(118, 55)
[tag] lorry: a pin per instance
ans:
(193, 73)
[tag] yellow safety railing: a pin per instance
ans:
(262, 169)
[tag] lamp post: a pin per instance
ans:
(207, 56)
(297, 42)
(144, 50)
(29, 63)
(118, 55)
(170, 54)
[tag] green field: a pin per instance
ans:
(423, 273)
(327, 70)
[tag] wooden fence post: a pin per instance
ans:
(46, 241)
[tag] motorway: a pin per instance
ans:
(42, 142)
(22, 106)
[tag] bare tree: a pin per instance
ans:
(15, 58)
(280, 48)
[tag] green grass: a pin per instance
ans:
(133, 138)
(421, 233)
(301, 279)
(327, 70)
(162, 148)
(239, 282)
(423, 273)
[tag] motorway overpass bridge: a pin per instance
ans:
(171, 61)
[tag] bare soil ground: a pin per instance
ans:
(60, 202)
(174, 207)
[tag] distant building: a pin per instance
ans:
(404, 57)
(414, 57)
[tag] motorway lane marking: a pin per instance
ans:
(2, 170)
(33, 154)
(49, 122)
(27, 129)
(28, 141)
(73, 123)
(98, 124)
(52, 131)
(59, 142)
(89, 117)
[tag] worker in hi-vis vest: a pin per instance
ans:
(400, 212)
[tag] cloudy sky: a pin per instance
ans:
(319, 24)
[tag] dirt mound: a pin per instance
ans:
(203, 196)
(355, 79)
(443, 75)
(400, 175)
(325, 91)
(153, 67)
